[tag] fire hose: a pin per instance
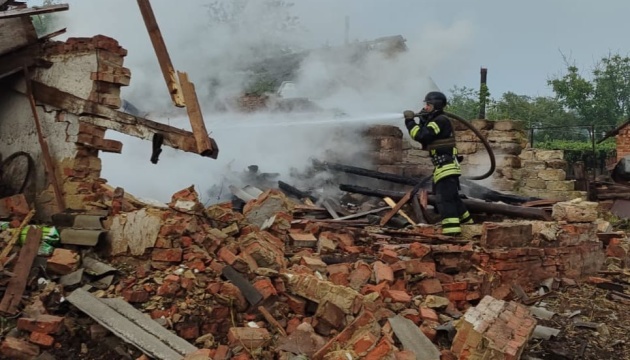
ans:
(493, 161)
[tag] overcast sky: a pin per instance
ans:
(520, 42)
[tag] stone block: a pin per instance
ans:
(567, 185)
(497, 235)
(547, 155)
(552, 174)
(575, 211)
(508, 125)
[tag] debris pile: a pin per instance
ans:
(280, 276)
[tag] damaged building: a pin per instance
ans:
(280, 272)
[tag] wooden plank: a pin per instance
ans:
(394, 205)
(103, 116)
(247, 289)
(168, 71)
(43, 143)
(361, 214)
(35, 10)
(52, 35)
(16, 235)
(17, 284)
(15, 34)
(330, 209)
(204, 145)
(122, 326)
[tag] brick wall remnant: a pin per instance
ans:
(494, 329)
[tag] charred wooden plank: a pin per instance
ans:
(292, 190)
(474, 206)
(17, 284)
(204, 144)
(103, 116)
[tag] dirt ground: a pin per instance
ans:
(611, 340)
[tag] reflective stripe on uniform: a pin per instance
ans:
(466, 218)
(451, 230)
(434, 126)
(447, 170)
(414, 130)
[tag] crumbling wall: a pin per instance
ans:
(623, 142)
(530, 172)
(90, 68)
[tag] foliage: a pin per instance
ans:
(605, 99)
(581, 150)
(44, 23)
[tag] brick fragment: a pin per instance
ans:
(63, 261)
(265, 288)
(430, 287)
(41, 339)
(383, 272)
(13, 348)
(249, 337)
(168, 255)
(46, 324)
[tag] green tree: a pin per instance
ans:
(45, 23)
(464, 101)
(602, 100)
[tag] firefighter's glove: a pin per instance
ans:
(409, 115)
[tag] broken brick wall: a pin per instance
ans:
(90, 68)
(530, 172)
(623, 142)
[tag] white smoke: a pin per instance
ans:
(216, 51)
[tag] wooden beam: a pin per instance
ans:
(103, 116)
(36, 10)
(168, 71)
(15, 236)
(43, 143)
(51, 35)
(13, 295)
(194, 114)
(396, 208)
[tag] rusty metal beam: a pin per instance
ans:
(103, 116)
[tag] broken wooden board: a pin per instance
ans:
(17, 284)
(164, 59)
(413, 339)
(108, 118)
(132, 326)
(33, 11)
(249, 291)
(195, 116)
(396, 209)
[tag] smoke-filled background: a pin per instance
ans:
(218, 43)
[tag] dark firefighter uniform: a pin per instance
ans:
(436, 135)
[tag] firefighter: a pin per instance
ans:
(436, 135)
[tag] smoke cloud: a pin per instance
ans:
(217, 44)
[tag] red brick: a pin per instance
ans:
(381, 350)
(456, 286)
(364, 343)
(418, 250)
(248, 337)
(41, 339)
(265, 288)
(428, 329)
(296, 304)
(135, 296)
(13, 348)
(292, 325)
(397, 296)
(168, 255)
(222, 353)
(47, 324)
(412, 315)
(430, 286)
(417, 266)
(360, 275)
(187, 283)
(340, 278)
(389, 256)
(63, 261)
(383, 273)
(428, 314)
(226, 255)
